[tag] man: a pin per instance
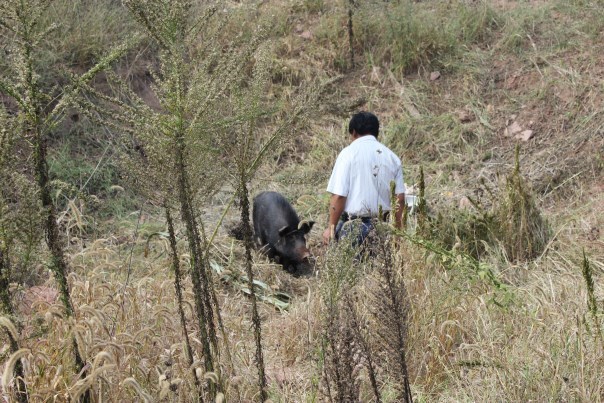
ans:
(360, 181)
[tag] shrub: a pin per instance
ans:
(520, 229)
(508, 218)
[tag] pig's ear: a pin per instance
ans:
(283, 231)
(306, 226)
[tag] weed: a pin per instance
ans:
(341, 364)
(23, 21)
(592, 304)
(314, 6)
(521, 229)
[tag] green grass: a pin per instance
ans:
(87, 30)
(87, 167)
(406, 36)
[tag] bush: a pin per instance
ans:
(508, 219)
(521, 230)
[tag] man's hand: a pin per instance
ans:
(336, 207)
(328, 234)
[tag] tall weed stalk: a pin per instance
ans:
(38, 114)
(254, 127)
(173, 30)
(7, 311)
(179, 298)
(392, 315)
(342, 358)
(592, 303)
(20, 233)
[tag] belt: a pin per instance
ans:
(349, 217)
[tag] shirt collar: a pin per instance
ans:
(367, 137)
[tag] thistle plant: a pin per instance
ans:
(341, 363)
(348, 345)
(256, 125)
(178, 289)
(174, 138)
(37, 114)
(20, 213)
(202, 87)
(15, 207)
(391, 311)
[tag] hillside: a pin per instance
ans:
(501, 275)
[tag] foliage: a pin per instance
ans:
(340, 366)
(20, 235)
(391, 305)
(520, 227)
(508, 218)
(20, 211)
(38, 112)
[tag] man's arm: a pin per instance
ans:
(400, 208)
(336, 208)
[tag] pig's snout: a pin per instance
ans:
(304, 254)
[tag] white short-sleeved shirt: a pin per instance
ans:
(362, 173)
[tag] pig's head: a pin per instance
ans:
(292, 242)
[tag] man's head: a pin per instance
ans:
(363, 123)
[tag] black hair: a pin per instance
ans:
(364, 123)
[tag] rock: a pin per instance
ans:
(512, 129)
(435, 75)
(525, 135)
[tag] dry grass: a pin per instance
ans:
(468, 340)
(462, 345)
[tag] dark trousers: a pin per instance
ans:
(356, 228)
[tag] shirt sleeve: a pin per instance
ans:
(339, 182)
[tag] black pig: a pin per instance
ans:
(279, 232)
